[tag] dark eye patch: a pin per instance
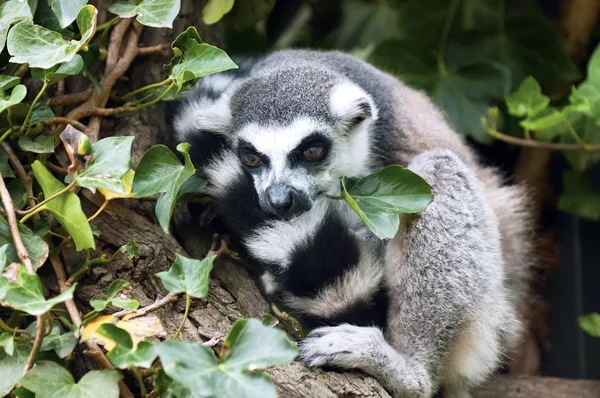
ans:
(315, 140)
(248, 155)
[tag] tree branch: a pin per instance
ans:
(157, 49)
(37, 343)
(125, 314)
(70, 99)
(14, 226)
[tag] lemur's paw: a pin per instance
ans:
(345, 346)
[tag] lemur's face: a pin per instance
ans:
(290, 164)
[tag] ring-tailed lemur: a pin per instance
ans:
(435, 307)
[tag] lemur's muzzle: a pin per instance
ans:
(285, 201)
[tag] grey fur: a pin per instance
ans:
(457, 274)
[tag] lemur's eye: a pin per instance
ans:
(252, 159)
(314, 153)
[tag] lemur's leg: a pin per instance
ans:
(448, 310)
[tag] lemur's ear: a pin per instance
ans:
(350, 104)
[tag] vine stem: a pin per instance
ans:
(185, 315)
(14, 226)
(444, 36)
(37, 343)
(140, 381)
(155, 100)
(142, 89)
(100, 210)
(27, 212)
(14, 331)
(5, 134)
(25, 127)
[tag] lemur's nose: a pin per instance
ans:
(280, 197)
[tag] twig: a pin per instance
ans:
(46, 200)
(14, 331)
(100, 210)
(539, 144)
(63, 120)
(37, 343)
(21, 174)
(157, 49)
(185, 316)
(70, 99)
(92, 348)
(125, 314)
(142, 89)
(14, 226)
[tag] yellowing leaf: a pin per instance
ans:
(139, 328)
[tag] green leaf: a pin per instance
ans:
(131, 250)
(60, 71)
(112, 159)
(8, 82)
(194, 59)
(195, 184)
(25, 293)
(66, 208)
(590, 323)
(43, 143)
(465, 92)
(11, 12)
(188, 276)
(380, 197)
(124, 354)
(11, 367)
(36, 247)
(215, 9)
(43, 48)
(62, 344)
(41, 227)
(546, 119)
(590, 88)
(7, 342)
(578, 197)
(17, 95)
(41, 112)
(252, 346)
(66, 10)
(50, 380)
(528, 100)
(154, 13)
(577, 102)
(3, 256)
(18, 193)
(159, 171)
(589, 131)
(4, 166)
(111, 300)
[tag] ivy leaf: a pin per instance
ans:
(154, 13)
(131, 250)
(66, 208)
(577, 102)
(579, 197)
(546, 119)
(8, 82)
(195, 184)
(16, 95)
(112, 159)
(380, 197)
(62, 344)
(465, 92)
(590, 88)
(188, 276)
(43, 143)
(214, 10)
(44, 48)
(7, 342)
(35, 246)
(66, 10)
(60, 71)
(101, 302)
(124, 354)
(11, 367)
(25, 293)
(18, 193)
(589, 131)
(159, 171)
(50, 380)
(590, 323)
(41, 112)
(253, 346)
(4, 167)
(528, 100)
(11, 12)
(194, 59)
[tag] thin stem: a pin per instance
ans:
(140, 381)
(444, 36)
(142, 89)
(126, 315)
(154, 101)
(25, 127)
(107, 25)
(575, 136)
(14, 226)
(9, 118)
(89, 264)
(5, 135)
(185, 315)
(48, 199)
(100, 210)
(14, 331)
(37, 343)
